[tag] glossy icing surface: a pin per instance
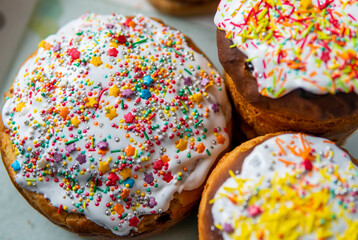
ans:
(291, 186)
(295, 44)
(112, 116)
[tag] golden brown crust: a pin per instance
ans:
(180, 206)
(258, 121)
(185, 8)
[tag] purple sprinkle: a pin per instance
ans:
(81, 158)
(215, 107)
(102, 145)
(152, 202)
(109, 26)
(127, 93)
(228, 228)
(149, 178)
(204, 82)
(187, 81)
(57, 47)
(70, 147)
(57, 157)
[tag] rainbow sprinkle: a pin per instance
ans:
(97, 113)
(309, 44)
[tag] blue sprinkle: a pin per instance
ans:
(145, 94)
(147, 80)
(129, 181)
(16, 166)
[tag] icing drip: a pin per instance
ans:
(112, 116)
(295, 44)
(291, 186)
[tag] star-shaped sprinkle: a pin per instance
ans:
(148, 178)
(197, 98)
(41, 163)
(133, 222)
(16, 166)
(119, 39)
(81, 158)
(187, 81)
(129, 151)
(70, 147)
(215, 107)
(20, 106)
(103, 167)
(181, 145)
(112, 113)
(57, 157)
(112, 52)
(125, 193)
(200, 148)
(118, 208)
(96, 61)
(129, 118)
(75, 122)
(112, 179)
(165, 159)
(64, 112)
(167, 177)
(145, 94)
(91, 102)
(127, 93)
(147, 80)
(113, 44)
(220, 139)
(73, 53)
(204, 82)
(152, 203)
(126, 173)
(114, 91)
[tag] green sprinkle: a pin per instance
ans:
(72, 141)
(187, 88)
(196, 124)
(139, 42)
(208, 152)
(146, 135)
(186, 70)
(115, 151)
(30, 180)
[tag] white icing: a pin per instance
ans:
(262, 164)
(313, 74)
(91, 34)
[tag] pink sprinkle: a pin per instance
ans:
(351, 16)
(254, 210)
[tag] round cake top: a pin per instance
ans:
(295, 44)
(113, 115)
(291, 186)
